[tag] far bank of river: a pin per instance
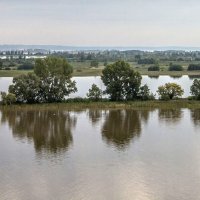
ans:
(85, 83)
(98, 71)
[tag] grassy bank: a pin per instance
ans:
(109, 105)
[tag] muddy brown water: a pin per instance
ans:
(100, 154)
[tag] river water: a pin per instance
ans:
(99, 154)
(85, 83)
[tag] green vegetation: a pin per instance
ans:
(8, 99)
(154, 68)
(91, 63)
(192, 104)
(50, 82)
(195, 89)
(145, 94)
(193, 67)
(25, 88)
(13, 73)
(95, 93)
(176, 67)
(170, 91)
(121, 81)
(146, 61)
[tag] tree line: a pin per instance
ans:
(51, 82)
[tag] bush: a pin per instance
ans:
(146, 61)
(175, 68)
(7, 68)
(76, 100)
(154, 68)
(170, 91)
(193, 67)
(144, 93)
(8, 99)
(95, 93)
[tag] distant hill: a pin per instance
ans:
(82, 48)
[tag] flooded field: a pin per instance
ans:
(99, 154)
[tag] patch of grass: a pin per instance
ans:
(174, 104)
(13, 73)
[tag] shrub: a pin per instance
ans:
(76, 100)
(154, 68)
(144, 93)
(8, 99)
(7, 68)
(170, 91)
(95, 93)
(193, 67)
(175, 68)
(146, 61)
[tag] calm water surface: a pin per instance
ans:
(100, 154)
(85, 83)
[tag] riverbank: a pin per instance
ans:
(174, 104)
(98, 72)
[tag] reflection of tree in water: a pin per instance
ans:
(195, 115)
(95, 115)
(121, 126)
(49, 130)
(170, 115)
(153, 77)
(176, 76)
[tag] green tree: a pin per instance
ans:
(50, 82)
(8, 99)
(193, 67)
(154, 68)
(95, 93)
(26, 88)
(53, 66)
(170, 91)
(173, 67)
(55, 79)
(144, 93)
(195, 89)
(121, 81)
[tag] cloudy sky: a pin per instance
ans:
(100, 22)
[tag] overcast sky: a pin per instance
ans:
(100, 22)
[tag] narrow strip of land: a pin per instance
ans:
(156, 104)
(98, 72)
